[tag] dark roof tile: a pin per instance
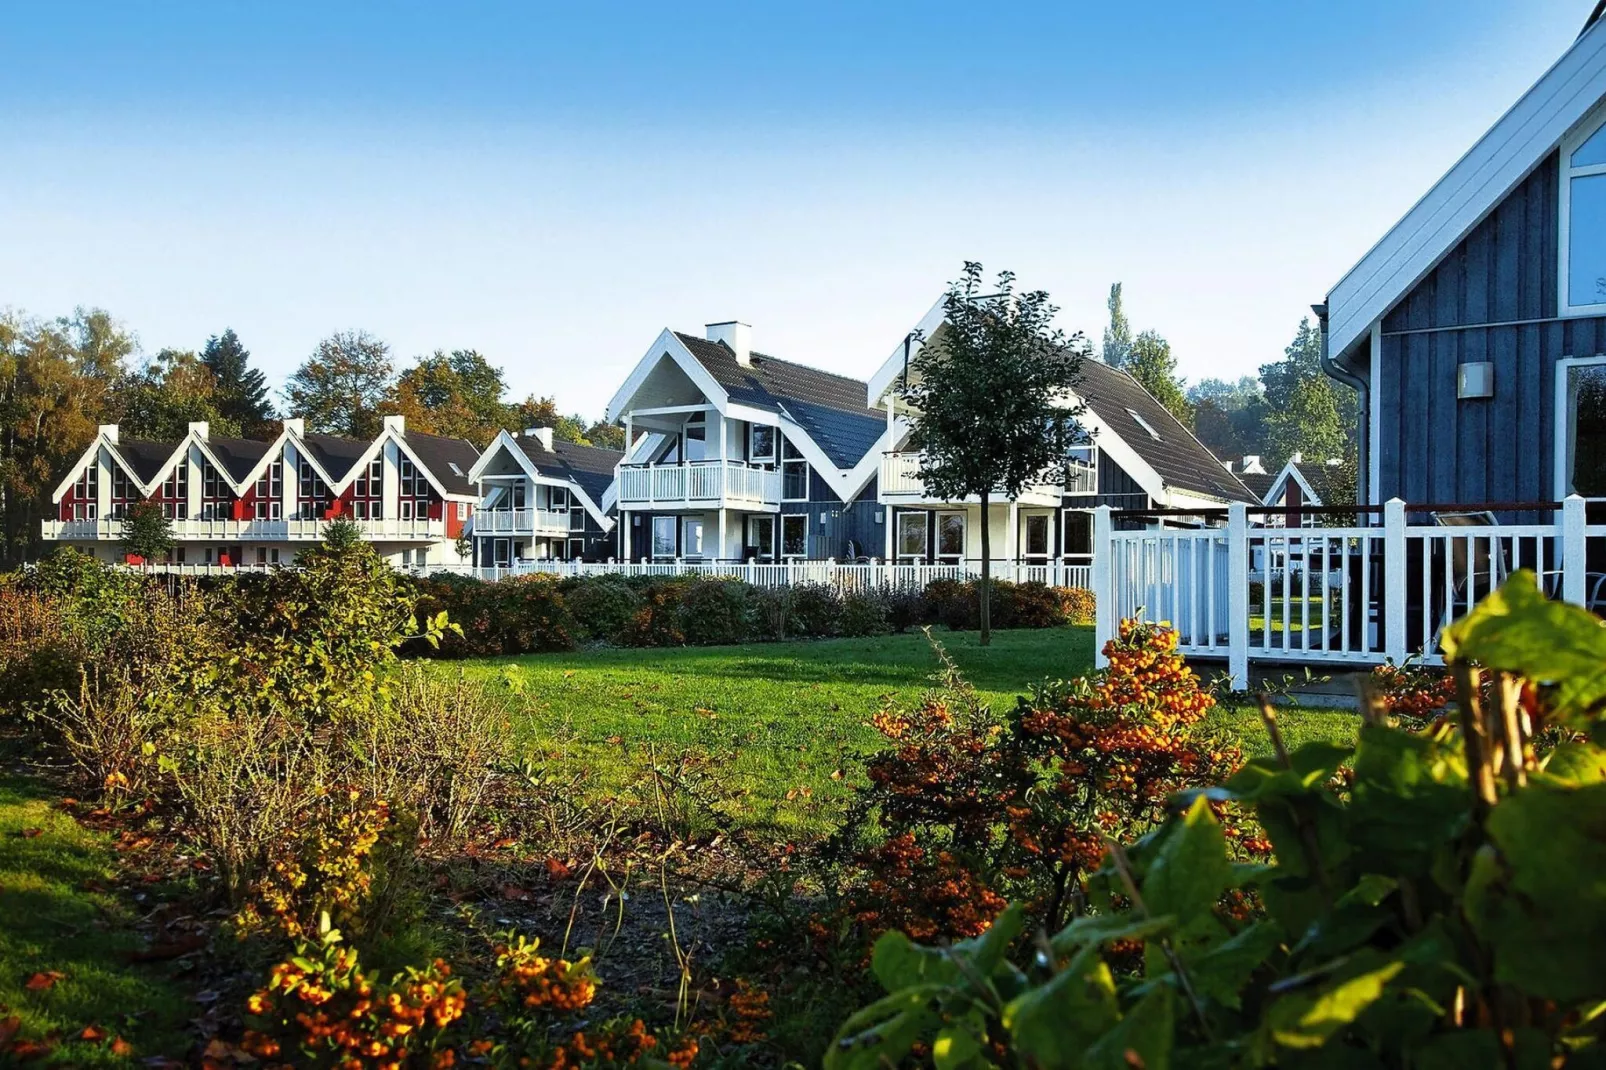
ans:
(334, 454)
(448, 459)
(237, 455)
(588, 467)
(144, 457)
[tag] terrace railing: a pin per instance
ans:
(519, 521)
(1351, 594)
(710, 483)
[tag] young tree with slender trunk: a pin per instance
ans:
(990, 391)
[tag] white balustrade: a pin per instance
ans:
(702, 482)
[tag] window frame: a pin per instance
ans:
(938, 555)
(1592, 125)
(1091, 468)
(1075, 557)
(752, 449)
(673, 524)
(925, 538)
(788, 518)
(1562, 468)
(751, 541)
(1037, 556)
(687, 525)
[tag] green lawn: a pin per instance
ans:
(778, 729)
(54, 917)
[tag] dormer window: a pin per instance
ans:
(1583, 223)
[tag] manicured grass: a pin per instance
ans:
(53, 917)
(778, 731)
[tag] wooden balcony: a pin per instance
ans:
(901, 485)
(699, 484)
(520, 522)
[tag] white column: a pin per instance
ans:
(1237, 593)
(886, 512)
(1573, 550)
(1106, 613)
(1394, 580)
(721, 554)
(624, 536)
(1012, 539)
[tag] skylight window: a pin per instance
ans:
(1145, 425)
(456, 471)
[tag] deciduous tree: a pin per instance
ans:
(1153, 366)
(1306, 411)
(990, 391)
(147, 533)
(161, 399)
(458, 394)
(342, 387)
(1118, 335)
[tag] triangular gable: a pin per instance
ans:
(1291, 472)
(1522, 138)
(182, 452)
(391, 434)
(671, 347)
(505, 441)
(891, 368)
(90, 455)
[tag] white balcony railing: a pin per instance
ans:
(712, 483)
(519, 521)
(220, 529)
(900, 481)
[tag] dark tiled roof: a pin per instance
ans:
(829, 407)
(1179, 458)
(334, 454)
(237, 455)
(1323, 481)
(588, 467)
(1258, 482)
(440, 455)
(146, 458)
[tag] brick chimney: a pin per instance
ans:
(737, 336)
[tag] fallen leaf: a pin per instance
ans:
(29, 834)
(505, 842)
(557, 870)
(121, 1047)
(8, 1029)
(836, 774)
(513, 891)
(170, 949)
(92, 1034)
(43, 980)
(27, 1050)
(615, 740)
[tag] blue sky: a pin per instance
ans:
(552, 185)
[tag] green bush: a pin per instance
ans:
(814, 611)
(714, 612)
(531, 615)
(864, 613)
(603, 607)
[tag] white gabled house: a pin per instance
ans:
(1138, 457)
(234, 501)
(543, 499)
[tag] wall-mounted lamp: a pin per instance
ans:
(1474, 379)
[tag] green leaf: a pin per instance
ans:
(1577, 764)
(881, 1034)
(986, 952)
(1189, 871)
(1307, 1020)
(1409, 801)
(1517, 629)
(1142, 1038)
(1221, 973)
(900, 963)
(1537, 892)
(1052, 1024)
(958, 1044)
(1096, 930)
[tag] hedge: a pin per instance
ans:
(530, 614)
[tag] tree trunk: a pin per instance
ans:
(985, 595)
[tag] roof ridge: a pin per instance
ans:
(865, 383)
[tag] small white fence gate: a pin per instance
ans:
(1329, 595)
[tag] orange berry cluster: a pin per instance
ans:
(1412, 690)
(526, 978)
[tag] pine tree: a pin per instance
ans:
(1118, 335)
(241, 394)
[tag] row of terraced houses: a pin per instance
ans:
(734, 456)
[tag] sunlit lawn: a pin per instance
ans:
(779, 729)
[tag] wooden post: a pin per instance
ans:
(1106, 614)
(1573, 550)
(1394, 580)
(1238, 594)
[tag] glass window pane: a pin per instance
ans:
(951, 534)
(663, 536)
(1586, 244)
(1591, 152)
(1078, 533)
(693, 538)
(794, 535)
(1587, 422)
(1037, 534)
(911, 534)
(763, 442)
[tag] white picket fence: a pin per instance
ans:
(844, 576)
(1329, 595)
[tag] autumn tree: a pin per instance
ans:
(55, 378)
(159, 400)
(240, 391)
(989, 392)
(343, 386)
(457, 394)
(543, 412)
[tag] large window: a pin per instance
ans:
(950, 538)
(761, 443)
(175, 492)
(696, 438)
(1078, 536)
(312, 493)
(269, 496)
(761, 537)
(368, 492)
(1082, 470)
(794, 474)
(1037, 537)
(912, 531)
(794, 536)
(1583, 223)
(1585, 430)
(663, 536)
(691, 536)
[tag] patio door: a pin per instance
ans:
(1584, 468)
